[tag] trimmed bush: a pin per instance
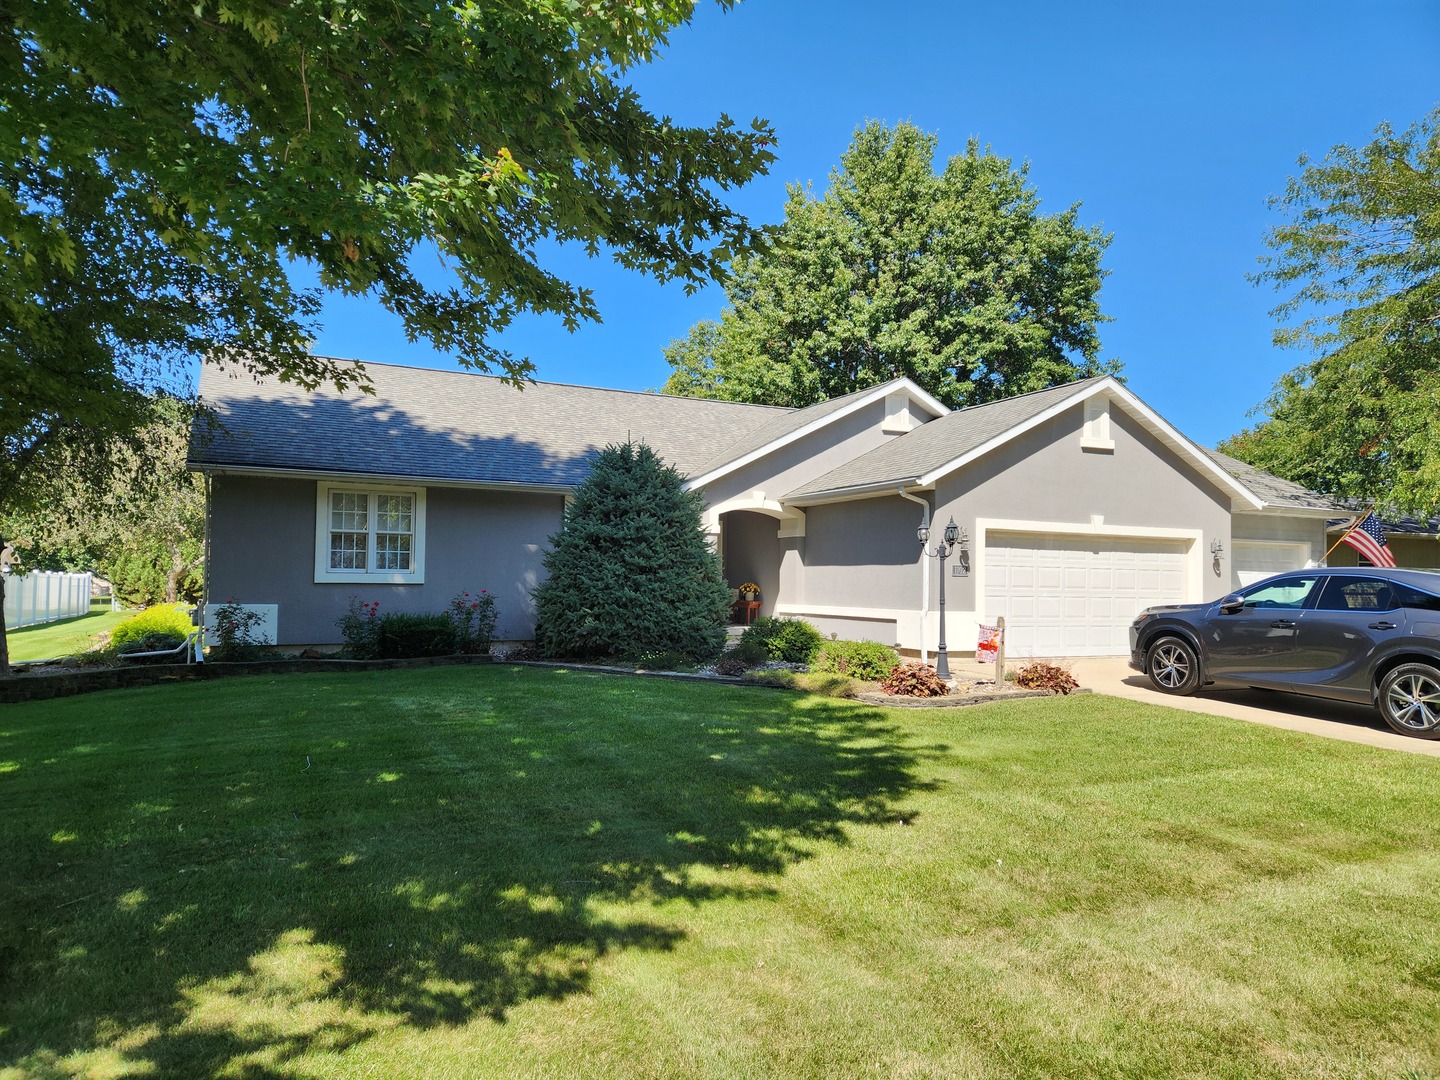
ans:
(164, 619)
(631, 573)
(403, 636)
(914, 679)
(741, 657)
(794, 641)
(867, 660)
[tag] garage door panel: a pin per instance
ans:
(1253, 560)
(1080, 594)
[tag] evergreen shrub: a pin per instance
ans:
(630, 573)
(794, 641)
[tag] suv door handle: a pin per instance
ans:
(1283, 624)
(1382, 625)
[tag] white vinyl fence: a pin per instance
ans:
(44, 596)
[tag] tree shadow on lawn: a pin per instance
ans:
(374, 851)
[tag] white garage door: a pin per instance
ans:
(1256, 559)
(1076, 596)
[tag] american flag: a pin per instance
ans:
(1368, 538)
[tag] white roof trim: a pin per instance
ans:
(875, 393)
(1148, 417)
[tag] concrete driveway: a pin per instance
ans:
(1332, 719)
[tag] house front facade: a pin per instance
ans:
(1078, 504)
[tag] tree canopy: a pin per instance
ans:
(164, 166)
(1359, 258)
(955, 279)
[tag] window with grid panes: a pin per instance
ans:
(368, 534)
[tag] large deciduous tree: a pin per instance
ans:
(163, 166)
(139, 521)
(1359, 256)
(955, 279)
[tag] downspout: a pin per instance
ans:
(209, 483)
(924, 575)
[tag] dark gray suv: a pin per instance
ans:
(1354, 634)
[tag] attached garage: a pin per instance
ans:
(1077, 595)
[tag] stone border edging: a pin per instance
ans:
(72, 681)
(959, 700)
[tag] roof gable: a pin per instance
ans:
(782, 430)
(937, 449)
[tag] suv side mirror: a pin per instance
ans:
(1229, 605)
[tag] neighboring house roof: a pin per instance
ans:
(454, 426)
(1283, 494)
(790, 425)
(940, 447)
(1390, 523)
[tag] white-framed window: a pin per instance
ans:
(369, 533)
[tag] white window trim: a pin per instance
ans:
(324, 575)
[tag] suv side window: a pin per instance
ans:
(1357, 594)
(1410, 597)
(1289, 592)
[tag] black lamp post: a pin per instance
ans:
(941, 552)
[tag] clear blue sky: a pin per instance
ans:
(1170, 124)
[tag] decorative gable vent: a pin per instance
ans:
(898, 418)
(1095, 435)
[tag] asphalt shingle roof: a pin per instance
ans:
(1272, 489)
(931, 445)
(449, 425)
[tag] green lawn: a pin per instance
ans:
(65, 638)
(501, 872)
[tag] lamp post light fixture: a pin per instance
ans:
(953, 536)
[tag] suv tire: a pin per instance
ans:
(1409, 700)
(1173, 667)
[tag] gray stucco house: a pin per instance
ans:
(1079, 504)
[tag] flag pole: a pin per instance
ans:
(1353, 526)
